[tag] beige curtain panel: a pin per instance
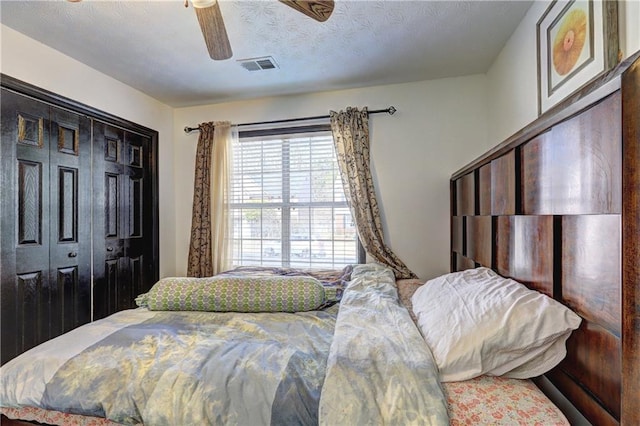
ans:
(351, 139)
(210, 227)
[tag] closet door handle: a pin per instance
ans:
(73, 254)
(109, 248)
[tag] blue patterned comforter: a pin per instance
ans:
(380, 371)
(197, 368)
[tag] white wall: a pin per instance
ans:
(512, 79)
(32, 62)
(440, 126)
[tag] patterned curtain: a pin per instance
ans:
(209, 246)
(351, 139)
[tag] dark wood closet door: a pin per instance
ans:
(70, 217)
(140, 195)
(123, 218)
(45, 259)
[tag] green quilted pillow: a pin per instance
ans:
(235, 294)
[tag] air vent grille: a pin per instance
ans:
(266, 64)
(258, 64)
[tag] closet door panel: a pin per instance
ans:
(31, 206)
(70, 217)
(140, 203)
(123, 218)
(24, 232)
(108, 219)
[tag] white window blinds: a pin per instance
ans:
(287, 204)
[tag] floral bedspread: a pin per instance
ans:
(499, 401)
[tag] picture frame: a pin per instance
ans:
(577, 40)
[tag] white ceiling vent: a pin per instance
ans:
(258, 64)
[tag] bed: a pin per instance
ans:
(552, 213)
(180, 360)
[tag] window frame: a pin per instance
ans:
(285, 131)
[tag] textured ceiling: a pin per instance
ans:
(157, 47)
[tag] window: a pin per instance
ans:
(287, 204)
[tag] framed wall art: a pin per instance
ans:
(576, 41)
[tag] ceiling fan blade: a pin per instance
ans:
(319, 10)
(214, 32)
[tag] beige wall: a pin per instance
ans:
(23, 58)
(512, 79)
(440, 125)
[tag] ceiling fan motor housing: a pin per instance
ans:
(203, 3)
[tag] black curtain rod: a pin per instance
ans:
(391, 110)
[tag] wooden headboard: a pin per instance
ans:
(557, 207)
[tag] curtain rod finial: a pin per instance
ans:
(392, 110)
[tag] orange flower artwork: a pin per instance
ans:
(569, 41)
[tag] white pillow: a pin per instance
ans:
(540, 364)
(477, 322)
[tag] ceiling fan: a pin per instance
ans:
(215, 34)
